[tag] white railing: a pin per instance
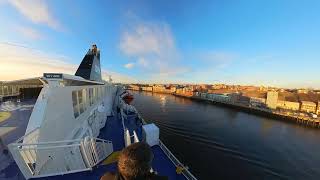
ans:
(59, 157)
(187, 174)
(185, 171)
(135, 137)
(127, 138)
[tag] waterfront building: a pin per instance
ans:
(186, 91)
(318, 108)
(257, 102)
(203, 95)
(234, 97)
(304, 91)
(134, 87)
(308, 106)
(289, 105)
(263, 88)
(204, 86)
(147, 88)
(272, 99)
(173, 89)
(161, 89)
(244, 100)
(218, 86)
(217, 97)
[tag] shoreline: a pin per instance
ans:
(305, 121)
(261, 112)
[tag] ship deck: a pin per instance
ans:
(12, 127)
(112, 131)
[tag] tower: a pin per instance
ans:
(90, 66)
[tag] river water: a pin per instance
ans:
(222, 143)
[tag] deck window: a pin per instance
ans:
(5, 90)
(91, 96)
(9, 90)
(95, 96)
(99, 93)
(80, 101)
(75, 103)
(103, 91)
(14, 90)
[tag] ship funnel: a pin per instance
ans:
(90, 68)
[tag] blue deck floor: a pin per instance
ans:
(17, 123)
(112, 131)
(163, 165)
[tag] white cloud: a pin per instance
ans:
(129, 65)
(29, 32)
(19, 62)
(36, 11)
(218, 59)
(152, 44)
(143, 62)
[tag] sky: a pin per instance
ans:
(246, 42)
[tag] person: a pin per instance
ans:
(134, 164)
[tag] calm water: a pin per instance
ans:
(222, 143)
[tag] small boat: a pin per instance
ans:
(128, 98)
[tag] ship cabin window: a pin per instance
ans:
(81, 100)
(98, 93)
(14, 90)
(102, 92)
(107, 89)
(75, 103)
(9, 89)
(5, 90)
(91, 96)
(94, 95)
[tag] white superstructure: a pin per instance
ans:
(61, 135)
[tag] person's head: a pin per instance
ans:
(135, 161)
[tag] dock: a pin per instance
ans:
(305, 121)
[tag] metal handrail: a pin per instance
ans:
(176, 162)
(31, 160)
(186, 173)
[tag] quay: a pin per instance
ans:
(306, 121)
(262, 111)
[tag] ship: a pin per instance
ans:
(77, 127)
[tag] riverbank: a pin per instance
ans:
(306, 121)
(208, 136)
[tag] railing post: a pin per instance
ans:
(19, 161)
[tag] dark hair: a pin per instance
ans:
(135, 161)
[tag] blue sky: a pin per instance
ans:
(274, 43)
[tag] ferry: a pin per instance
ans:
(76, 128)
